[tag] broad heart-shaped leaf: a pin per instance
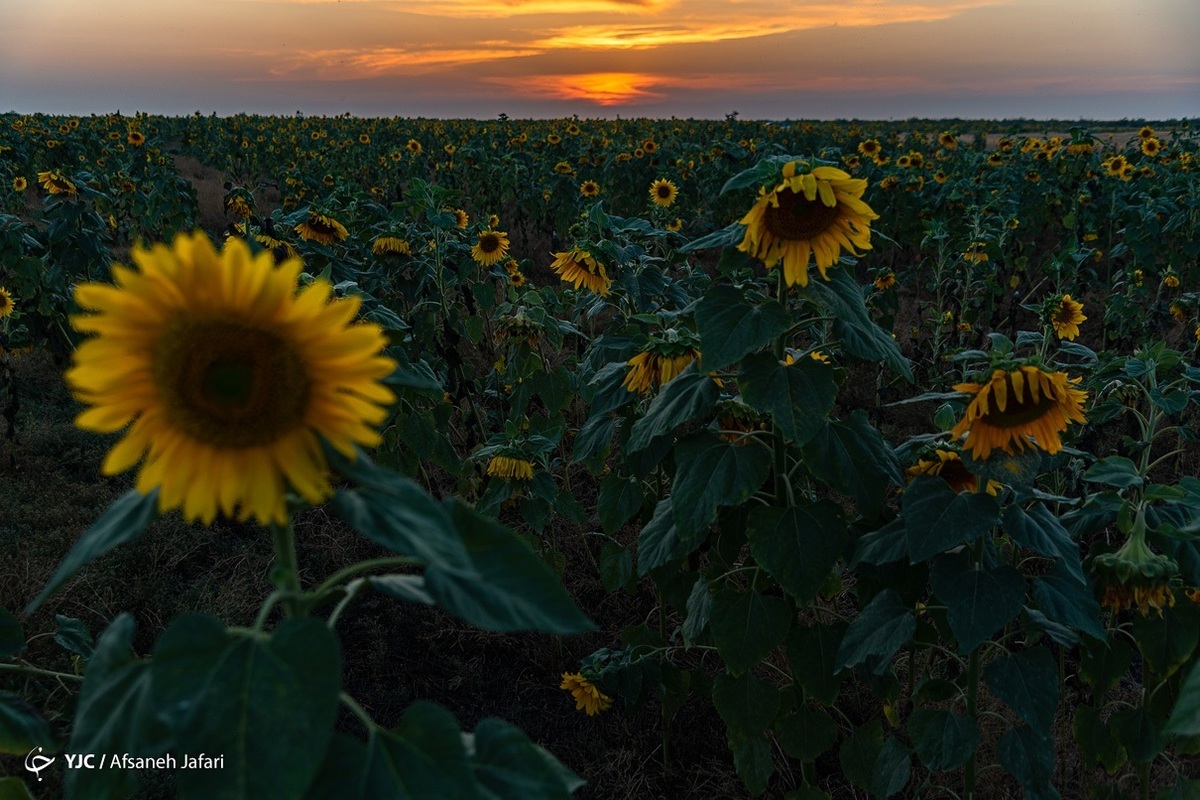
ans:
(116, 714)
(812, 655)
(658, 543)
(1167, 642)
(893, 767)
(853, 458)
(699, 610)
(882, 628)
(944, 740)
(227, 693)
(510, 767)
(754, 762)
(1097, 743)
(978, 601)
(1117, 471)
(73, 636)
(852, 323)
(937, 518)
(746, 703)
(798, 546)
(688, 396)
(746, 626)
(594, 435)
(859, 752)
(22, 727)
(122, 522)
(711, 474)
(1104, 662)
(12, 637)
(798, 397)
(1026, 682)
(1041, 532)
(806, 734)
(731, 326)
(1028, 755)
(1138, 731)
(1067, 602)
(620, 499)
(507, 588)
(1185, 719)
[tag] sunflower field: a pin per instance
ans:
(409, 458)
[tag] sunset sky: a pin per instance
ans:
(765, 59)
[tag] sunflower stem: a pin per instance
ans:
(25, 669)
(782, 489)
(286, 574)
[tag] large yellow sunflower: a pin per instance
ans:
(1066, 317)
(580, 268)
(1014, 405)
(587, 696)
(322, 229)
(818, 213)
(6, 303)
(648, 369)
(55, 183)
(224, 378)
(491, 248)
(663, 192)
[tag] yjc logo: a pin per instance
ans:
(35, 762)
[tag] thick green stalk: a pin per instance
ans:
(287, 574)
(780, 443)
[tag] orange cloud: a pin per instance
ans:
(623, 88)
(500, 8)
(349, 64)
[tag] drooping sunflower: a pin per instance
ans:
(322, 228)
(517, 469)
(461, 219)
(589, 189)
(580, 268)
(54, 183)
(885, 281)
(976, 253)
(948, 140)
(491, 248)
(649, 369)
(1066, 318)
(391, 245)
(224, 378)
(948, 465)
(818, 213)
(587, 697)
(663, 192)
(6, 303)
(413, 147)
(1015, 405)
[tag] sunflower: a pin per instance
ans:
(647, 369)
(6, 303)
(391, 245)
(54, 183)
(229, 377)
(322, 229)
(819, 213)
(948, 465)
(461, 218)
(19, 184)
(554, 138)
(136, 138)
(869, 148)
(1014, 405)
(1171, 282)
(1115, 165)
(1145, 132)
(675, 226)
(364, 138)
(579, 267)
(948, 140)
(589, 189)
(517, 469)
(413, 147)
(1066, 317)
(587, 697)
(663, 192)
(940, 177)
(885, 281)
(491, 248)
(976, 253)
(995, 159)
(564, 168)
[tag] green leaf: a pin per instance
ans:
(1117, 471)
(944, 740)
(616, 566)
(699, 610)
(747, 626)
(859, 752)
(73, 636)
(1183, 789)
(1167, 642)
(116, 714)
(22, 727)
(1028, 755)
(1064, 600)
(813, 656)
(729, 235)
(806, 734)
(712, 473)
(853, 458)
(1104, 662)
(1096, 742)
(659, 544)
(852, 323)
(731, 326)
(14, 789)
(508, 588)
(12, 637)
(1026, 682)
(798, 397)
(754, 762)
(893, 767)
(882, 628)
(594, 435)
(937, 518)
(798, 546)
(883, 546)
(511, 767)
(122, 522)
(409, 588)
(1185, 719)
(224, 692)
(1138, 732)
(689, 396)
(620, 499)
(978, 601)
(746, 703)
(1041, 532)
